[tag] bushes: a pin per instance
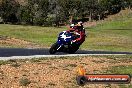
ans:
(9, 10)
(54, 12)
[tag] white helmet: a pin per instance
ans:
(72, 25)
(80, 23)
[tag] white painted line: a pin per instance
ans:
(52, 56)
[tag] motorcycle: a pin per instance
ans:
(65, 44)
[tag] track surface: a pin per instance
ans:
(9, 52)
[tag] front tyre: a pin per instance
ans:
(53, 48)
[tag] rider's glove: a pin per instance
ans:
(73, 41)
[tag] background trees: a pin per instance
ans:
(56, 12)
(35, 12)
(9, 10)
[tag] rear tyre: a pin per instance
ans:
(53, 48)
(73, 49)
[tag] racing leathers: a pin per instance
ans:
(79, 33)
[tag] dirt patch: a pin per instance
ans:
(10, 42)
(90, 24)
(52, 73)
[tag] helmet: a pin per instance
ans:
(80, 23)
(72, 25)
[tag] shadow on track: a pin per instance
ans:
(8, 52)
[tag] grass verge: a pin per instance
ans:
(111, 35)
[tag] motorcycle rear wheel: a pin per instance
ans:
(72, 50)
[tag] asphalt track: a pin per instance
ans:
(9, 52)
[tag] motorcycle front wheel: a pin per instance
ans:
(53, 48)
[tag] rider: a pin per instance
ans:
(78, 31)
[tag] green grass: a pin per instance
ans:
(40, 35)
(125, 86)
(3, 62)
(115, 35)
(121, 70)
(116, 57)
